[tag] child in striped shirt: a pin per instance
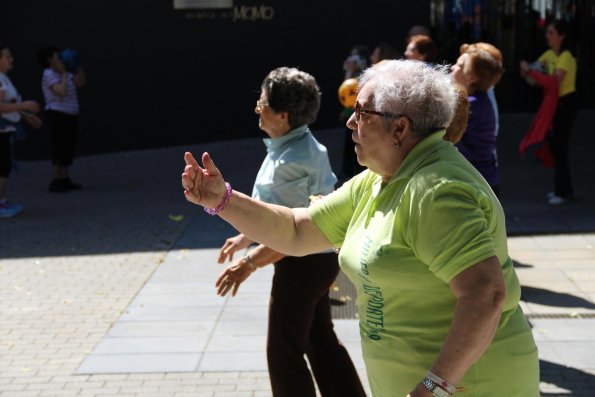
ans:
(62, 110)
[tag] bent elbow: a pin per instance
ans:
(498, 297)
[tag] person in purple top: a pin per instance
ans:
(477, 71)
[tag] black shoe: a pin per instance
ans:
(58, 186)
(70, 185)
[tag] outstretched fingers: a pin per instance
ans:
(202, 184)
(191, 171)
(224, 283)
(226, 252)
(209, 165)
(191, 178)
(190, 160)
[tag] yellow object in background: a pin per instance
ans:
(348, 93)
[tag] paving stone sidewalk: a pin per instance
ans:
(71, 266)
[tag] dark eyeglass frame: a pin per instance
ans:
(359, 111)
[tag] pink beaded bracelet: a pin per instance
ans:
(220, 207)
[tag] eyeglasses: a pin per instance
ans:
(260, 104)
(359, 111)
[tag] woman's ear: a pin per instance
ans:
(284, 115)
(400, 125)
(471, 78)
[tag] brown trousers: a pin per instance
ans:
(300, 323)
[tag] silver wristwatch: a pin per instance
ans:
(436, 390)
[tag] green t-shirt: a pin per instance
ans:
(401, 244)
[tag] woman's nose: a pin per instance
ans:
(351, 123)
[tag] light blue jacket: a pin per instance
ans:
(296, 167)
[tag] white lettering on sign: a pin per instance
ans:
(256, 13)
(253, 13)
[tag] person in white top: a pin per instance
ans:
(59, 87)
(13, 110)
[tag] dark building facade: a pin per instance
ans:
(160, 74)
(157, 75)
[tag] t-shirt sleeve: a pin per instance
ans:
(565, 61)
(51, 78)
(449, 229)
(332, 213)
(548, 59)
(543, 57)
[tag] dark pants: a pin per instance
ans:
(563, 122)
(300, 323)
(63, 128)
(5, 154)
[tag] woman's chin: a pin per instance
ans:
(358, 154)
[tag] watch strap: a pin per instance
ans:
(435, 389)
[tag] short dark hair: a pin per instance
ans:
(425, 46)
(44, 54)
(563, 28)
(3, 46)
(295, 92)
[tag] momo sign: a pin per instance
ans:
(253, 13)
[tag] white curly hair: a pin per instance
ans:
(424, 93)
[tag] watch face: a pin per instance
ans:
(429, 384)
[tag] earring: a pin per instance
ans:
(398, 144)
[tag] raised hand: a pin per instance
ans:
(202, 186)
(232, 245)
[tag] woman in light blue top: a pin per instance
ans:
(296, 167)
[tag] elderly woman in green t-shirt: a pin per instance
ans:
(422, 237)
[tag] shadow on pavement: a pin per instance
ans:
(575, 381)
(550, 298)
(133, 201)
(520, 265)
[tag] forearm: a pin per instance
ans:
(61, 88)
(11, 107)
(262, 255)
(473, 327)
(289, 231)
